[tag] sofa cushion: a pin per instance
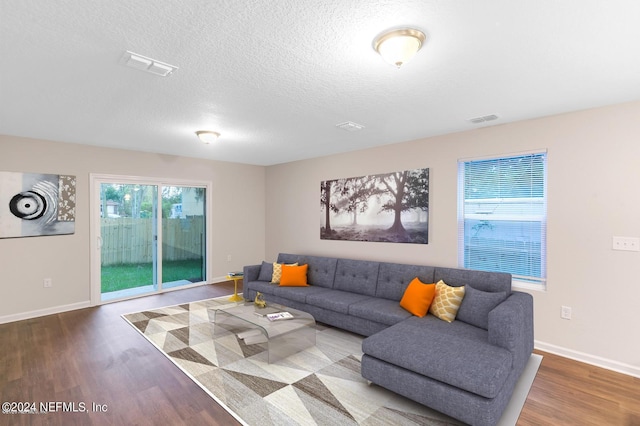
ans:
(383, 311)
(322, 270)
(356, 276)
(393, 278)
(294, 276)
(277, 271)
(288, 258)
(480, 280)
(418, 297)
(336, 300)
(266, 271)
(298, 294)
(477, 304)
(454, 353)
(447, 301)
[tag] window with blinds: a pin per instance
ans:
(502, 216)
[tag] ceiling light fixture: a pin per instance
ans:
(399, 45)
(207, 136)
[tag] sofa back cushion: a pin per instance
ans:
(477, 304)
(321, 271)
(357, 276)
(266, 271)
(480, 280)
(394, 278)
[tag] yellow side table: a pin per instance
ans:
(235, 297)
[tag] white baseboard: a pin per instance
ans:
(42, 312)
(609, 364)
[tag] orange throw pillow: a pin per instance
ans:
(294, 276)
(418, 297)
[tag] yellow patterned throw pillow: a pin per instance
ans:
(447, 301)
(277, 272)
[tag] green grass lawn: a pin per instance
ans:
(120, 277)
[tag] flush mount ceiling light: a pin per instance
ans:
(399, 45)
(207, 136)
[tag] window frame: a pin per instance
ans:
(540, 283)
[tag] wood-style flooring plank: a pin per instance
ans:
(568, 392)
(92, 356)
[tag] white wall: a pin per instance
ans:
(593, 194)
(238, 220)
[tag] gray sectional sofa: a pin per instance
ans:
(467, 368)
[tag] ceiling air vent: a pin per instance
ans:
(152, 66)
(478, 120)
(350, 126)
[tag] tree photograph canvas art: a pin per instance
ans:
(388, 207)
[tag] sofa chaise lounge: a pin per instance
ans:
(466, 368)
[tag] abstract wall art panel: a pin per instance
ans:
(34, 204)
(389, 207)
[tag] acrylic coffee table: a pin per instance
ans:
(281, 338)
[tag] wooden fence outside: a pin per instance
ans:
(129, 240)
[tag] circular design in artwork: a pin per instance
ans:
(28, 205)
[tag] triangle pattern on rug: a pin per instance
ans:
(287, 402)
(181, 334)
(259, 385)
(141, 325)
(347, 368)
(153, 315)
(313, 386)
(181, 318)
(189, 354)
(417, 418)
(170, 343)
(200, 332)
(251, 350)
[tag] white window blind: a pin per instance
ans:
(502, 216)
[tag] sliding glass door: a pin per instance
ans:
(128, 239)
(149, 236)
(183, 235)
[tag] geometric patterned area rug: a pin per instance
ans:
(321, 385)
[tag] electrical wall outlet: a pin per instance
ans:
(47, 282)
(565, 313)
(228, 258)
(626, 243)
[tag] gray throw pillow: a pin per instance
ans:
(476, 306)
(266, 272)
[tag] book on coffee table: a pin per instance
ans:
(258, 338)
(279, 316)
(249, 333)
(251, 337)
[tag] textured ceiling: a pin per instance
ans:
(274, 77)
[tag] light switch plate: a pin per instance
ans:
(626, 243)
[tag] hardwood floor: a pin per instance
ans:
(92, 356)
(567, 392)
